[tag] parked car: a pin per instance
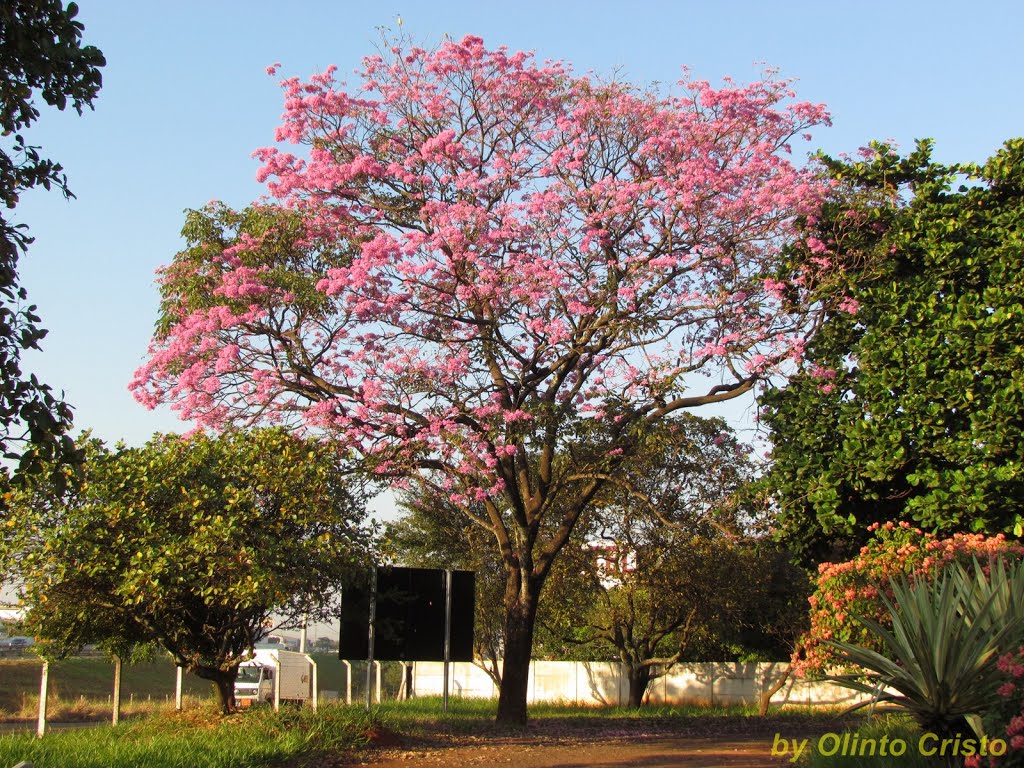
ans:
(17, 643)
(16, 646)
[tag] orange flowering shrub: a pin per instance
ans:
(853, 587)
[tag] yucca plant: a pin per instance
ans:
(1003, 582)
(939, 659)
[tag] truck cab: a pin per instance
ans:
(254, 684)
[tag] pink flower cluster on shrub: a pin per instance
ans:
(853, 587)
(1008, 720)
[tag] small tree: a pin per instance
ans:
(476, 253)
(193, 543)
(653, 596)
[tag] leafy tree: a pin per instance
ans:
(41, 55)
(667, 567)
(193, 543)
(912, 408)
(434, 533)
(491, 251)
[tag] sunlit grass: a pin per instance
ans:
(259, 737)
(425, 716)
(890, 726)
(254, 738)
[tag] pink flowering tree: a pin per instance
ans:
(852, 588)
(469, 254)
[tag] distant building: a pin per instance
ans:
(280, 642)
(19, 643)
(613, 563)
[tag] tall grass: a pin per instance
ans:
(93, 709)
(255, 738)
(891, 726)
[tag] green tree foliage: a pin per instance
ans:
(194, 543)
(913, 406)
(669, 566)
(663, 568)
(41, 56)
(433, 533)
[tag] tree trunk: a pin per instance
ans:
(765, 699)
(520, 617)
(639, 678)
(224, 692)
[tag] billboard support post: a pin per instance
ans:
(447, 632)
(370, 639)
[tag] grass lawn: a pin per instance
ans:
(90, 678)
(259, 737)
(255, 738)
(81, 686)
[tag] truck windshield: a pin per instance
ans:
(248, 675)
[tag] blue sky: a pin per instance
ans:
(186, 99)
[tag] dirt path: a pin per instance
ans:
(663, 752)
(692, 743)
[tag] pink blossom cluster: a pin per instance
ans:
(1009, 719)
(1012, 665)
(491, 239)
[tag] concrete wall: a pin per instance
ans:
(590, 683)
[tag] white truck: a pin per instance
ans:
(273, 675)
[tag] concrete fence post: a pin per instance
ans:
(44, 687)
(377, 684)
(315, 692)
(115, 716)
(348, 680)
(177, 687)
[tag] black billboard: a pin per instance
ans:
(409, 617)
